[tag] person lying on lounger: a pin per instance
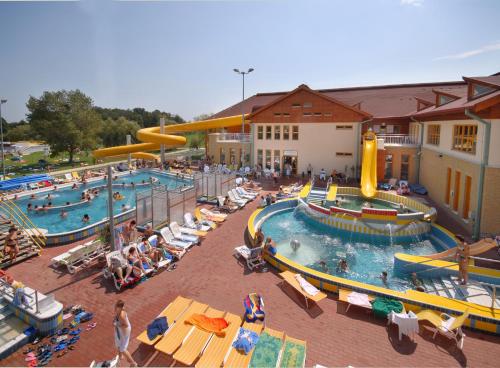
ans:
(175, 251)
(136, 260)
(147, 250)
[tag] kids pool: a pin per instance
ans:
(96, 209)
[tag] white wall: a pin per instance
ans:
(494, 159)
(317, 145)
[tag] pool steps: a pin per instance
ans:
(12, 329)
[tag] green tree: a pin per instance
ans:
(19, 133)
(66, 120)
(114, 132)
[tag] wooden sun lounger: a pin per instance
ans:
(238, 359)
(344, 293)
(289, 278)
(175, 335)
(217, 348)
(193, 345)
(284, 363)
(173, 311)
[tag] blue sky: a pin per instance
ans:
(178, 56)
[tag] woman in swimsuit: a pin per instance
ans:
(11, 247)
(463, 254)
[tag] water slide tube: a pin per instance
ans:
(152, 138)
(369, 165)
(477, 248)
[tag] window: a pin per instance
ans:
(343, 154)
(268, 159)
(277, 132)
(388, 167)
(343, 127)
(318, 114)
(308, 104)
(464, 138)
(307, 114)
(433, 133)
(295, 132)
(396, 129)
(260, 158)
(268, 132)
(286, 115)
(443, 99)
(479, 90)
(260, 132)
(405, 164)
(232, 156)
(277, 160)
(277, 114)
(327, 114)
(286, 132)
(296, 105)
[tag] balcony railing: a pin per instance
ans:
(398, 139)
(236, 137)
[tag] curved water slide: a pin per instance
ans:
(152, 138)
(477, 248)
(369, 165)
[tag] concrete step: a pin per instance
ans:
(12, 336)
(440, 289)
(450, 288)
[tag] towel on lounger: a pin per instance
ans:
(216, 325)
(359, 299)
(306, 286)
(158, 327)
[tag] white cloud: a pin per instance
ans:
(470, 53)
(412, 2)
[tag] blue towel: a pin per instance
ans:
(245, 341)
(158, 327)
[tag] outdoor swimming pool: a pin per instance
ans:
(97, 208)
(367, 255)
(353, 202)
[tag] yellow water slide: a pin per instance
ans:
(152, 138)
(369, 165)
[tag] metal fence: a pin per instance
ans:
(213, 184)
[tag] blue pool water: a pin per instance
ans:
(97, 208)
(367, 256)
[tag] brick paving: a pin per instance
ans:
(210, 274)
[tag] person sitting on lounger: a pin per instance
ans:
(153, 254)
(270, 246)
(135, 259)
(177, 252)
(121, 269)
(263, 202)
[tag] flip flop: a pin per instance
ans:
(33, 363)
(71, 347)
(62, 353)
(73, 324)
(91, 326)
(75, 332)
(30, 358)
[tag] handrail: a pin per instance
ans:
(485, 259)
(22, 220)
(33, 296)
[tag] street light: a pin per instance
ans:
(243, 73)
(1, 138)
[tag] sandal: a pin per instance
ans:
(91, 326)
(75, 332)
(62, 353)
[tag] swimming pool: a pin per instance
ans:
(97, 207)
(367, 255)
(353, 202)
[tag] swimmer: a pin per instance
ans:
(74, 186)
(44, 208)
(49, 204)
(68, 203)
(86, 218)
(323, 266)
(49, 197)
(32, 196)
(36, 208)
(416, 282)
(55, 187)
(125, 207)
(63, 214)
(342, 266)
(29, 208)
(383, 277)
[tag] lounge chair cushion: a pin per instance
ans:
(245, 341)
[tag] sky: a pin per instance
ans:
(179, 56)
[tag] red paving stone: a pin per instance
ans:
(210, 274)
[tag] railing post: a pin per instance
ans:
(494, 296)
(36, 301)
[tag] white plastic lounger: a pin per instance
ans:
(178, 234)
(170, 239)
(153, 240)
(252, 257)
(242, 194)
(238, 197)
(209, 213)
(233, 198)
(164, 262)
(191, 223)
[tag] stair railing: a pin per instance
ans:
(23, 222)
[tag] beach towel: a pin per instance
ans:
(293, 355)
(383, 306)
(245, 341)
(306, 286)
(158, 327)
(359, 299)
(209, 324)
(266, 351)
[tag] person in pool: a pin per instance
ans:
(32, 196)
(49, 197)
(342, 266)
(85, 218)
(417, 284)
(270, 246)
(323, 266)
(30, 207)
(383, 277)
(63, 214)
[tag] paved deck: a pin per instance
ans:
(210, 274)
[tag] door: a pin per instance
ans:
(457, 190)
(448, 187)
(468, 184)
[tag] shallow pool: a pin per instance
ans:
(367, 256)
(97, 208)
(352, 202)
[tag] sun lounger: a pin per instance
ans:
(294, 353)
(252, 257)
(172, 312)
(108, 272)
(178, 234)
(75, 175)
(245, 195)
(238, 359)
(175, 335)
(239, 202)
(446, 325)
(194, 344)
(68, 177)
(354, 298)
(267, 351)
(170, 239)
(80, 256)
(290, 279)
(153, 240)
(209, 213)
(190, 222)
(218, 347)
(207, 219)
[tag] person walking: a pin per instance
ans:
(463, 254)
(122, 333)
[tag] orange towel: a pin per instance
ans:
(216, 325)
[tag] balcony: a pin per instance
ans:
(398, 139)
(233, 137)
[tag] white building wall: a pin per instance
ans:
(494, 159)
(318, 144)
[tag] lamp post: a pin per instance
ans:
(1, 138)
(243, 73)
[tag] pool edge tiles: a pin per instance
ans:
(481, 318)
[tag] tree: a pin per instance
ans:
(66, 120)
(19, 133)
(114, 132)
(202, 117)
